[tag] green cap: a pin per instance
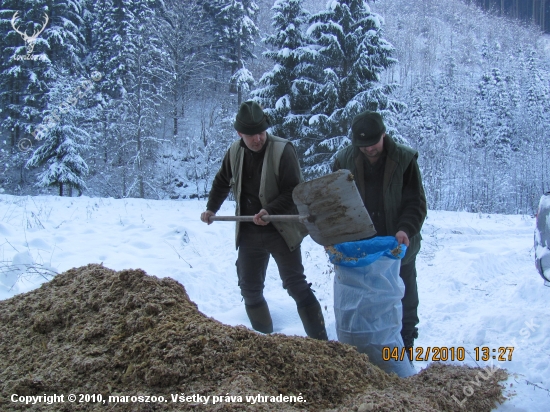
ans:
(251, 119)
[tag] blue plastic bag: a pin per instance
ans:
(367, 299)
(365, 252)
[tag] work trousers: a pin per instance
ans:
(409, 331)
(255, 247)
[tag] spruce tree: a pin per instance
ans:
(351, 55)
(279, 89)
(537, 87)
(145, 56)
(61, 153)
(106, 28)
(129, 51)
(236, 31)
(494, 126)
(23, 83)
(535, 139)
(188, 39)
(62, 140)
(29, 67)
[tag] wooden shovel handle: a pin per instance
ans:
(267, 218)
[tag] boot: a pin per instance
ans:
(312, 318)
(408, 342)
(259, 316)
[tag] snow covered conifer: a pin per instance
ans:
(28, 67)
(26, 62)
(236, 32)
(61, 153)
(494, 124)
(63, 141)
(132, 57)
(538, 96)
(279, 91)
(351, 56)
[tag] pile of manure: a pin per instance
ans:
(126, 341)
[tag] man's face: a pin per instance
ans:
(374, 151)
(254, 142)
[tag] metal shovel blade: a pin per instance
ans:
(335, 210)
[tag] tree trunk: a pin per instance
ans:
(140, 163)
(175, 129)
(176, 97)
(139, 155)
(105, 139)
(543, 15)
(124, 194)
(60, 189)
(15, 134)
(239, 87)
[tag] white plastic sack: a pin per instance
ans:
(368, 311)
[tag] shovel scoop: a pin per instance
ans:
(335, 210)
(330, 207)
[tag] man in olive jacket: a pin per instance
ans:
(389, 182)
(262, 171)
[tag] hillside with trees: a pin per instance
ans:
(476, 87)
(534, 11)
(132, 98)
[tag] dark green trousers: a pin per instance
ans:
(409, 331)
(255, 248)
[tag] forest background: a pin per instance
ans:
(136, 98)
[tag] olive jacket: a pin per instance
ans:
(261, 180)
(402, 206)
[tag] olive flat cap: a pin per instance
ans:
(251, 119)
(367, 129)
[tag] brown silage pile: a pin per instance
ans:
(92, 330)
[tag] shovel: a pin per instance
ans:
(330, 207)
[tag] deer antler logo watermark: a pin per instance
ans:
(30, 41)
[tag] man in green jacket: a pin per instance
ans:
(262, 171)
(389, 182)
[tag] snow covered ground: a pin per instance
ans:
(477, 280)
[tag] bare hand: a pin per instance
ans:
(205, 216)
(402, 238)
(258, 218)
